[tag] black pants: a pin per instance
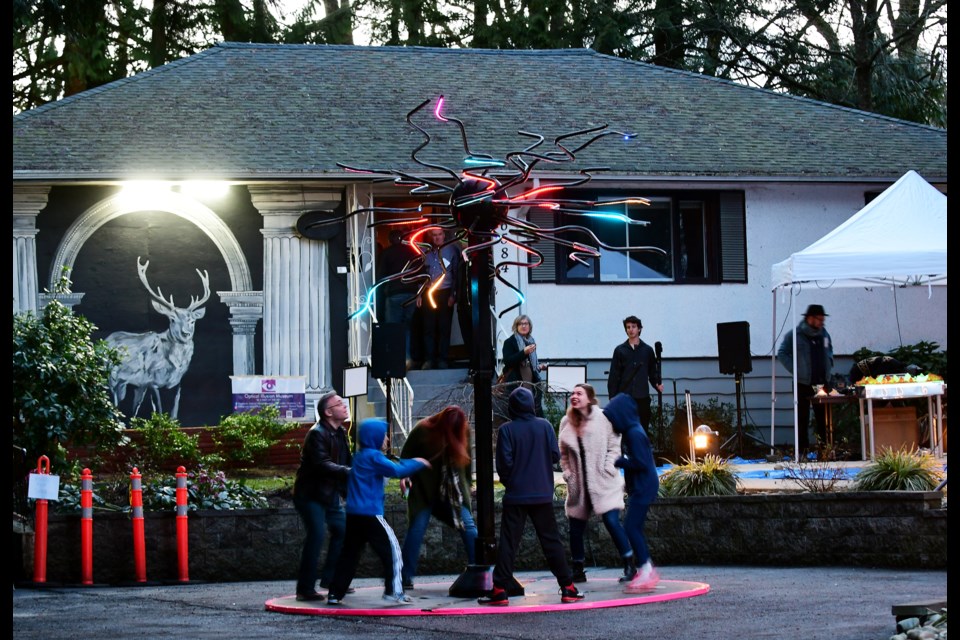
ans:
(360, 531)
(804, 393)
(513, 519)
(436, 327)
(643, 412)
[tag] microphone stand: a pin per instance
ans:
(658, 349)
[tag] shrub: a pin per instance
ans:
(206, 489)
(244, 437)
(60, 384)
(711, 477)
(163, 445)
(820, 476)
(899, 470)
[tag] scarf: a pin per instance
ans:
(450, 493)
(523, 342)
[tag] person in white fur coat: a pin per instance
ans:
(588, 448)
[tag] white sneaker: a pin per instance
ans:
(397, 598)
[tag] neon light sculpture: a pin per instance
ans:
(479, 207)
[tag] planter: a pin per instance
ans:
(871, 529)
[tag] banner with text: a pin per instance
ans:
(256, 392)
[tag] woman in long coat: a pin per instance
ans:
(588, 449)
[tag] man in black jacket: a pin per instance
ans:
(632, 368)
(319, 492)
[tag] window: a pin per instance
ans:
(702, 234)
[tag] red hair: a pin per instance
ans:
(449, 432)
(574, 416)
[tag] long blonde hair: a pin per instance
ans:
(574, 416)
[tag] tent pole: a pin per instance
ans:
(796, 411)
(773, 372)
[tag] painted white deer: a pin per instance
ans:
(154, 361)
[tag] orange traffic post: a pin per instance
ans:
(40, 529)
(182, 561)
(86, 527)
(136, 507)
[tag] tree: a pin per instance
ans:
(60, 383)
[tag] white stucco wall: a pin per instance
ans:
(584, 322)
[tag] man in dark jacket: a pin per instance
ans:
(527, 449)
(319, 492)
(642, 484)
(632, 368)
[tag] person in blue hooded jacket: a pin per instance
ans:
(642, 484)
(365, 521)
(527, 449)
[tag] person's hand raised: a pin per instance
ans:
(425, 462)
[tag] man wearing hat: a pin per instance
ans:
(814, 367)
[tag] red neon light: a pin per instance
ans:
(536, 192)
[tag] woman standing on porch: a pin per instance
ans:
(520, 364)
(588, 450)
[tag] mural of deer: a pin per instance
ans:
(154, 361)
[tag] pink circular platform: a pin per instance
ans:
(542, 595)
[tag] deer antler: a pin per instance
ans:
(194, 302)
(142, 272)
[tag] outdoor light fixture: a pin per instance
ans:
(705, 441)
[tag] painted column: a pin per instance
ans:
(27, 203)
(296, 316)
(246, 310)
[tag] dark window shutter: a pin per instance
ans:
(546, 272)
(733, 238)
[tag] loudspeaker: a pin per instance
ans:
(389, 356)
(733, 344)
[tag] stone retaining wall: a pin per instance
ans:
(876, 529)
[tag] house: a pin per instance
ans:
(737, 179)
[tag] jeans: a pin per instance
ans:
(316, 517)
(634, 522)
(611, 520)
(417, 528)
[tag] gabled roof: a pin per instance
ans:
(256, 111)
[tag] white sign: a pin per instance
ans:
(565, 378)
(250, 393)
(43, 486)
(354, 381)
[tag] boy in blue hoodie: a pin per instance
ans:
(365, 521)
(527, 449)
(642, 485)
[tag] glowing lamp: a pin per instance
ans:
(702, 436)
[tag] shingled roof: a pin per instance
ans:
(275, 112)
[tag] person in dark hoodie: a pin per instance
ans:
(365, 521)
(642, 484)
(527, 449)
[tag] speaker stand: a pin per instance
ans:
(739, 435)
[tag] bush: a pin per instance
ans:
(61, 384)
(244, 437)
(164, 446)
(900, 470)
(711, 477)
(206, 489)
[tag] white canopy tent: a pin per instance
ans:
(898, 239)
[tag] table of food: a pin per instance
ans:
(901, 386)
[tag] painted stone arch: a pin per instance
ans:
(245, 305)
(179, 205)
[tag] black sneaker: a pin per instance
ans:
(310, 597)
(332, 599)
(570, 593)
(497, 597)
(628, 574)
